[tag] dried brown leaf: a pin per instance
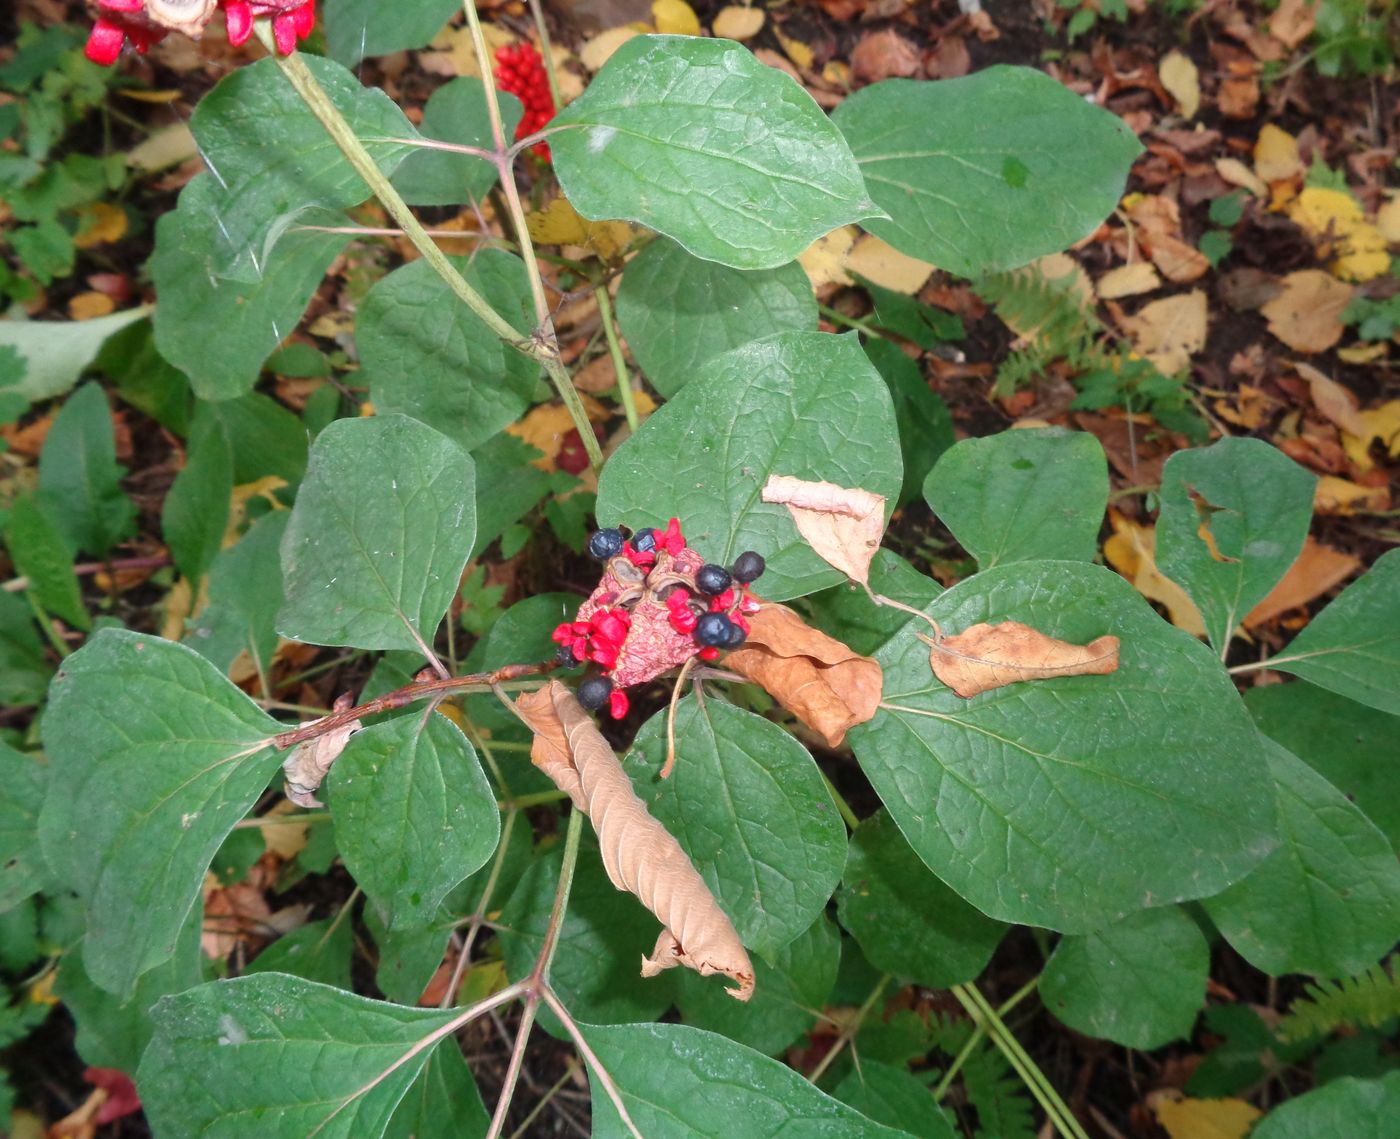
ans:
(1307, 313)
(639, 854)
(885, 55)
(985, 657)
(1318, 569)
(842, 524)
(308, 764)
(822, 682)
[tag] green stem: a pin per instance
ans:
(547, 53)
(843, 807)
(849, 1032)
(60, 646)
(624, 381)
(849, 321)
(572, 836)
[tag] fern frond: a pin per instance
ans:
(1004, 1110)
(1364, 1001)
(1053, 316)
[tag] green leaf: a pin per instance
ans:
(428, 356)
(786, 994)
(909, 317)
(1358, 1109)
(318, 951)
(41, 554)
(55, 353)
(266, 438)
(22, 869)
(906, 921)
(892, 1096)
(153, 757)
(678, 311)
(1353, 646)
(1139, 982)
(456, 113)
(79, 480)
(1340, 739)
(216, 329)
(681, 1082)
(845, 612)
(195, 514)
(987, 172)
(507, 486)
(925, 424)
(805, 404)
(442, 1103)
(274, 161)
(1071, 801)
(697, 139)
(24, 669)
(1327, 901)
(299, 1058)
(413, 813)
(245, 593)
(1022, 495)
(359, 28)
(1234, 518)
(770, 847)
(144, 379)
(378, 537)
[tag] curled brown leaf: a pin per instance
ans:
(305, 769)
(825, 684)
(984, 657)
(842, 524)
(639, 854)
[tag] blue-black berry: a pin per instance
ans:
(605, 544)
(565, 656)
(593, 693)
(714, 630)
(737, 636)
(748, 567)
(644, 540)
(712, 579)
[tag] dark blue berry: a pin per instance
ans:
(714, 630)
(737, 637)
(644, 540)
(605, 544)
(712, 579)
(593, 693)
(748, 567)
(565, 656)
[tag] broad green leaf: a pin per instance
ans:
(906, 316)
(455, 113)
(218, 330)
(507, 486)
(987, 172)
(428, 356)
(1353, 646)
(413, 813)
(906, 920)
(266, 439)
(1072, 801)
(787, 995)
(145, 379)
(54, 354)
(805, 404)
(318, 951)
(597, 967)
(245, 593)
(442, 1103)
(24, 669)
(892, 1096)
(1139, 982)
(274, 161)
(79, 480)
(20, 948)
(770, 847)
(925, 424)
(112, 1031)
(846, 613)
(299, 1058)
(356, 29)
(1234, 518)
(678, 311)
(681, 1082)
(1327, 901)
(1022, 495)
(22, 869)
(1358, 1109)
(697, 139)
(1353, 747)
(42, 555)
(379, 535)
(195, 514)
(153, 756)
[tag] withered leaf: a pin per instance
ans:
(639, 854)
(842, 524)
(984, 657)
(306, 768)
(825, 684)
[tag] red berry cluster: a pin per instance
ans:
(657, 605)
(123, 21)
(520, 72)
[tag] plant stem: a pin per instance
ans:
(849, 321)
(547, 54)
(842, 807)
(624, 381)
(849, 1032)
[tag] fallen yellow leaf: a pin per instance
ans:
(99, 223)
(1342, 496)
(882, 263)
(675, 18)
(560, 224)
(600, 48)
(796, 50)
(166, 147)
(1238, 174)
(1276, 157)
(1170, 330)
(1388, 221)
(736, 23)
(1335, 218)
(1203, 1118)
(825, 259)
(1318, 569)
(1182, 81)
(1293, 21)
(1129, 281)
(1331, 399)
(1307, 313)
(1381, 424)
(86, 306)
(1131, 550)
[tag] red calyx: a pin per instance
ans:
(671, 540)
(708, 653)
(618, 704)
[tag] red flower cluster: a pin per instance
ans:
(145, 22)
(520, 72)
